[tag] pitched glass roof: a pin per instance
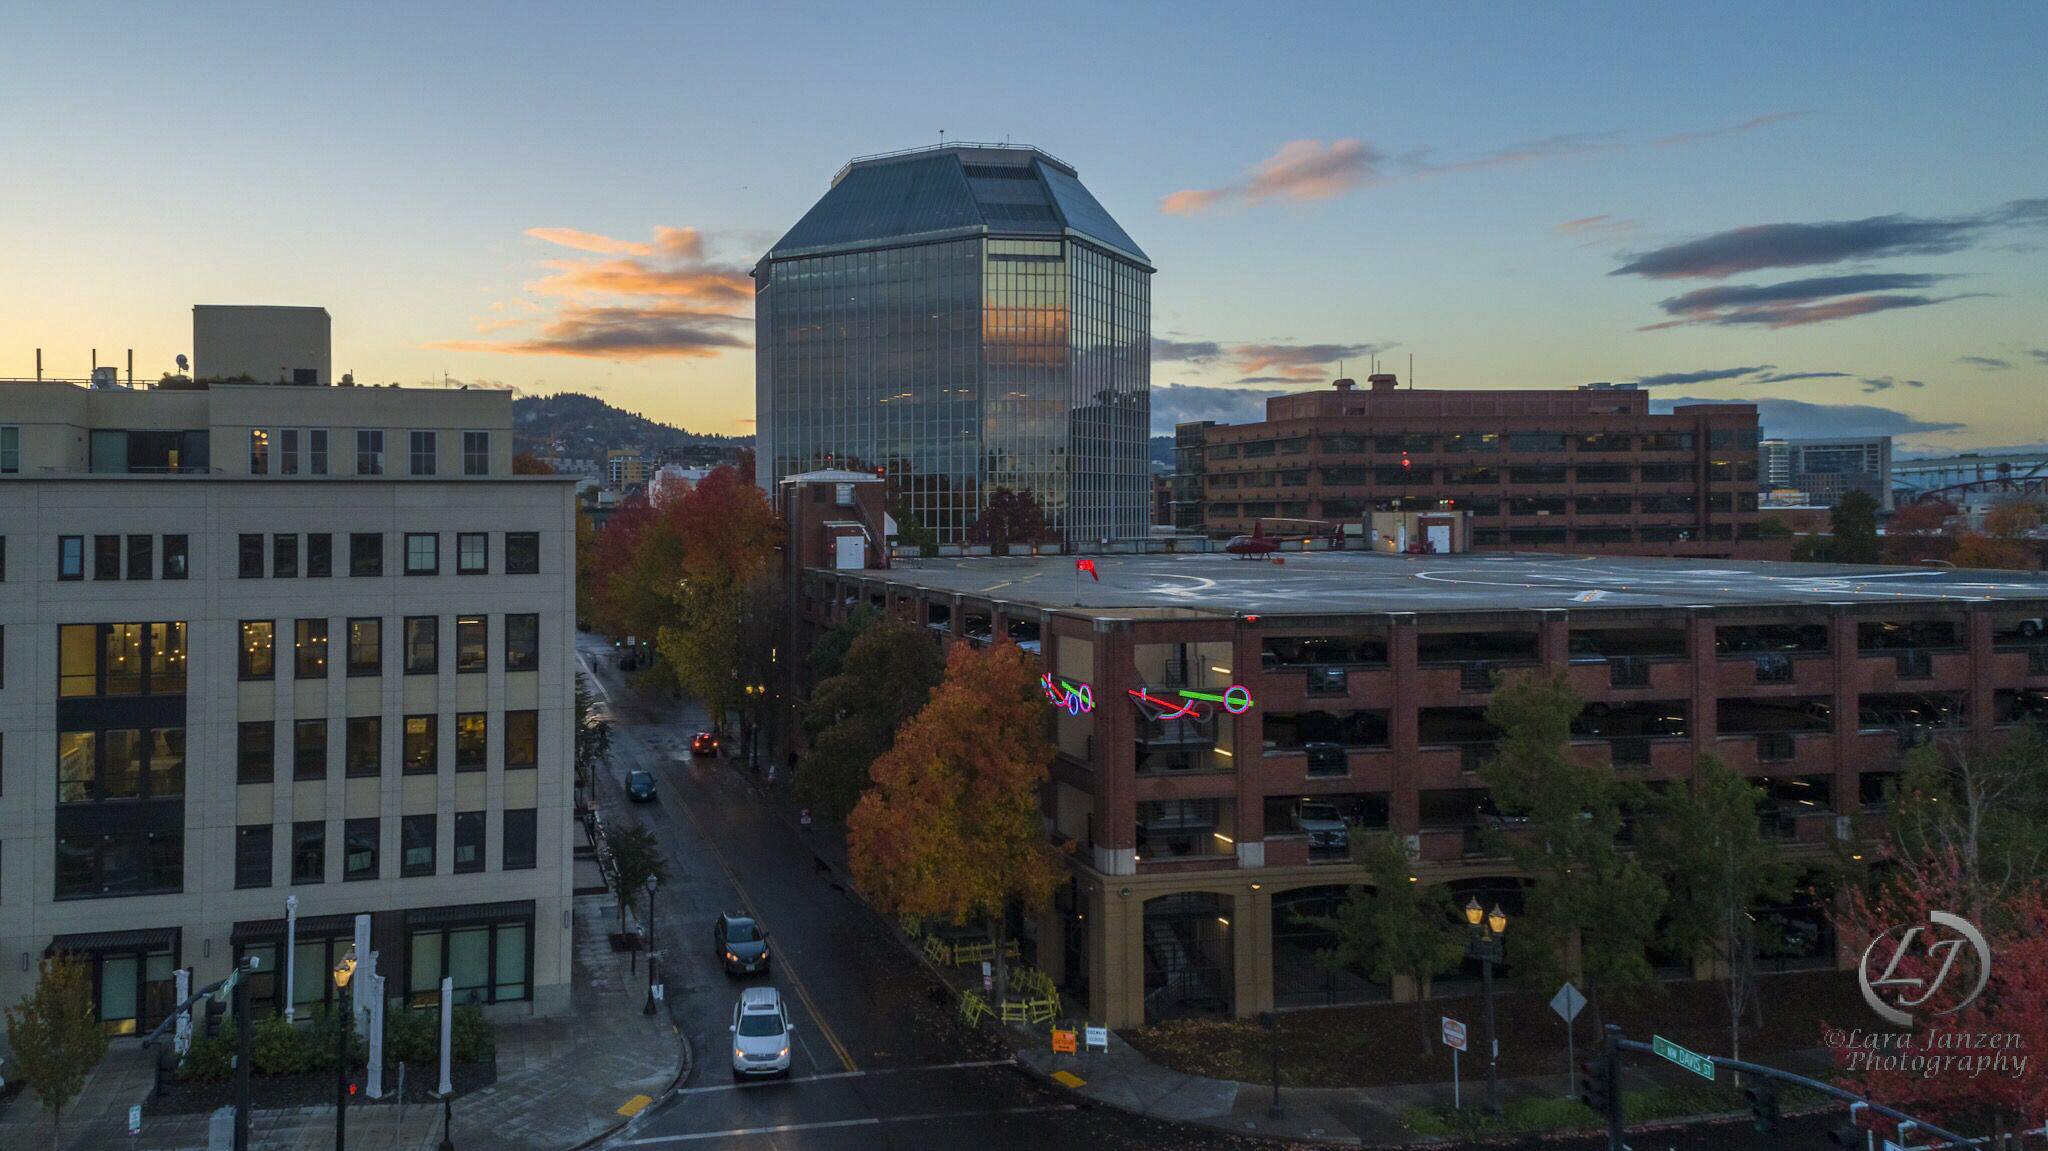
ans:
(944, 190)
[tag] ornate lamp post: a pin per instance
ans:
(344, 970)
(1487, 929)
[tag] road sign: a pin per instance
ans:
(1062, 1042)
(1454, 1033)
(658, 995)
(135, 1119)
(988, 976)
(1096, 1037)
(1693, 1061)
(1567, 1002)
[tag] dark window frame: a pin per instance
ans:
(247, 838)
(410, 649)
(70, 558)
(527, 839)
(408, 831)
(462, 556)
(366, 553)
(433, 566)
(351, 835)
(522, 654)
(522, 553)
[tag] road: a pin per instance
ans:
(880, 1061)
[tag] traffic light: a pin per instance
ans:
(1597, 1085)
(216, 1011)
(1763, 1103)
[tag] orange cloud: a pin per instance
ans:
(629, 277)
(621, 333)
(1301, 170)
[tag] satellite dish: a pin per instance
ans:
(182, 364)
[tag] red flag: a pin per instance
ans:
(1085, 565)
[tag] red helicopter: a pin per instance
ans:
(1256, 544)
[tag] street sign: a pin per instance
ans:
(1096, 1037)
(1062, 1042)
(134, 1119)
(658, 990)
(1693, 1061)
(1454, 1033)
(1567, 1002)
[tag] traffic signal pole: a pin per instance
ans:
(1615, 1044)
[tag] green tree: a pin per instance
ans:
(636, 857)
(952, 827)
(1582, 892)
(1396, 928)
(885, 677)
(910, 531)
(1984, 803)
(1853, 523)
(1010, 517)
(830, 647)
(55, 1037)
(1709, 848)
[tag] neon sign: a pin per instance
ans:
(1076, 698)
(1236, 699)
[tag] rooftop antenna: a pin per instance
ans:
(942, 137)
(1411, 371)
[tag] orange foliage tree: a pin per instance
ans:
(724, 537)
(950, 827)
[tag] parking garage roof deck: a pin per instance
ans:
(1357, 582)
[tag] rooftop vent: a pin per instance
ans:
(1382, 381)
(1346, 384)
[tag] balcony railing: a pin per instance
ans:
(1181, 732)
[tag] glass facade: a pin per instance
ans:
(959, 320)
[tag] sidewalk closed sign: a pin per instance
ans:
(1454, 1033)
(1062, 1042)
(1097, 1037)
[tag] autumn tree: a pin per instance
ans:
(1853, 525)
(1397, 928)
(829, 649)
(2003, 543)
(1982, 802)
(1009, 517)
(886, 675)
(528, 464)
(1567, 813)
(631, 568)
(636, 856)
(55, 1038)
(1921, 517)
(1707, 844)
(586, 550)
(719, 540)
(951, 827)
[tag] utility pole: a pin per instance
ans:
(242, 1061)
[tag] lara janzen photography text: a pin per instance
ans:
(1916, 973)
(1926, 1054)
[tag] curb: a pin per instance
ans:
(685, 1063)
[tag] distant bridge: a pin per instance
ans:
(1951, 477)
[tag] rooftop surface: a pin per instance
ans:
(1354, 582)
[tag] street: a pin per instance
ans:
(880, 1059)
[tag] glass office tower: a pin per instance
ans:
(961, 318)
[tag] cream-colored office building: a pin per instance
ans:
(262, 641)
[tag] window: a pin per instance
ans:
(469, 841)
(369, 452)
(117, 863)
(141, 557)
(319, 555)
(520, 829)
(257, 650)
(422, 453)
(471, 741)
(476, 453)
(309, 648)
(106, 557)
(420, 756)
(359, 849)
(309, 852)
(175, 566)
(255, 752)
(284, 556)
(366, 553)
(522, 553)
(252, 855)
(416, 844)
(422, 644)
(288, 452)
(251, 556)
(422, 553)
(10, 450)
(522, 642)
(522, 738)
(363, 754)
(259, 451)
(472, 553)
(487, 962)
(472, 644)
(366, 646)
(70, 557)
(316, 452)
(309, 749)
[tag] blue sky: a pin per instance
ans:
(478, 191)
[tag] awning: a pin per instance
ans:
(310, 927)
(469, 913)
(144, 939)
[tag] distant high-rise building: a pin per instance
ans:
(624, 468)
(1827, 468)
(958, 319)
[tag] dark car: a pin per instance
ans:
(741, 944)
(640, 786)
(704, 743)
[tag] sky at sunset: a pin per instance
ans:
(1838, 211)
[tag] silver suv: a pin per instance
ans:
(761, 1034)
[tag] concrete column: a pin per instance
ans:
(1553, 639)
(1251, 925)
(1983, 671)
(1116, 952)
(1705, 720)
(1404, 809)
(1842, 638)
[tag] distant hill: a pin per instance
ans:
(585, 427)
(1161, 453)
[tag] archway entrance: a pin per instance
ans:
(1187, 955)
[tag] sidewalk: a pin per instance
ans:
(561, 1082)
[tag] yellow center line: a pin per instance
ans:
(824, 1028)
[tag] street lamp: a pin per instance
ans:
(1488, 927)
(1271, 1023)
(344, 970)
(653, 881)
